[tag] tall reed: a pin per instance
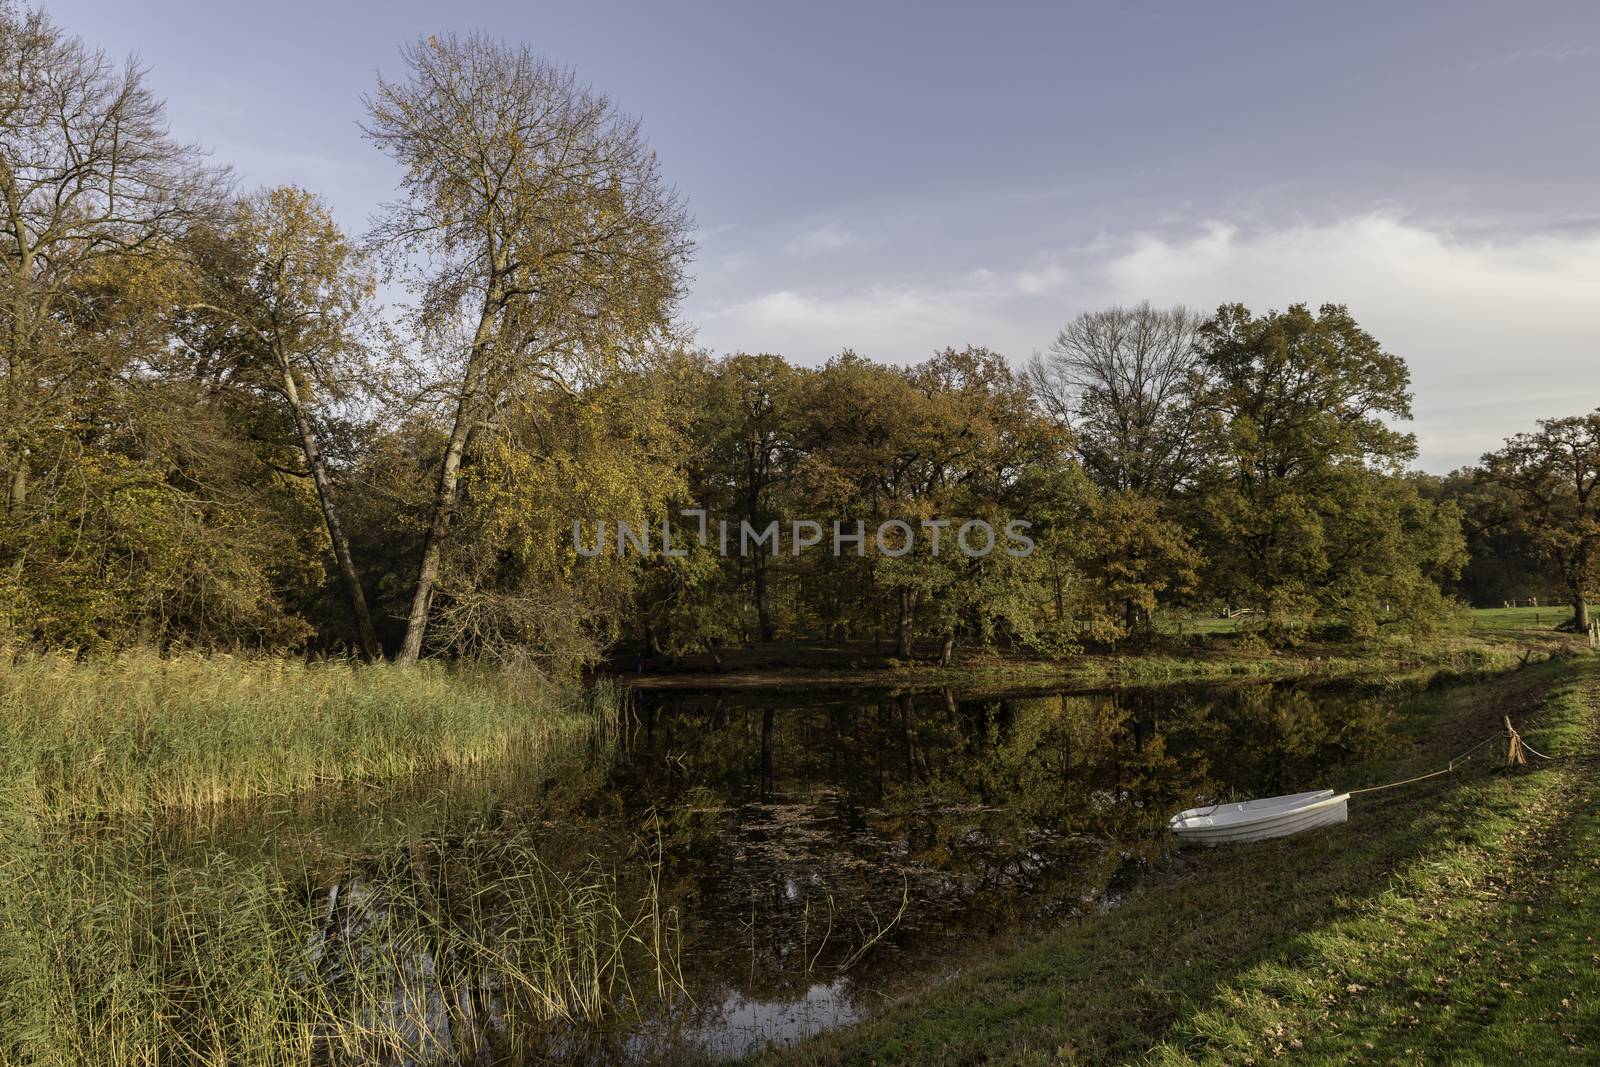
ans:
(114, 953)
(139, 732)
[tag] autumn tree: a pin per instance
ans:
(612, 451)
(283, 295)
(1133, 556)
(931, 446)
(536, 232)
(88, 176)
(748, 435)
(856, 431)
(137, 507)
(1553, 476)
(1504, 562)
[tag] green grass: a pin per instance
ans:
(138, 732)
(1450, 921)
(1502, 619)
(1516, 619)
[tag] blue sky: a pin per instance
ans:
(899, 177)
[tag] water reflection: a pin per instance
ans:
(817, 852)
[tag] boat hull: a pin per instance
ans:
(1258, 820)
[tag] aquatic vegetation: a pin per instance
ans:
(120, 945)
(138, 732)
(538, 875)
(114, 952)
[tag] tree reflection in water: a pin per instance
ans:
(816, 852)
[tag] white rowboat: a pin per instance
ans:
(1255, 820)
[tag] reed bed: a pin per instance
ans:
(139, 733)
(114, 953)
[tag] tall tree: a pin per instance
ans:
(1554, 474)
(533, 211)
(283, 275)
(1122, 379)
(88, 175)
(930, 446)
(1504, 560)
(750, 438)
(1301, 501)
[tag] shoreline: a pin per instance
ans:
(1329, 943)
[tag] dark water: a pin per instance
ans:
(821, 852)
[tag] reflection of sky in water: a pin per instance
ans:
(742, 1025)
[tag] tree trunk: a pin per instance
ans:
(449, 479)
(947, 652)
(1580, 611)
(902, 636)
(763, 611)
(365, 635)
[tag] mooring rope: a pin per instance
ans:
(1454, 762)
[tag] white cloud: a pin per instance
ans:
(1547, 53)
(1498, 331)
(890, 322)
(830, 237)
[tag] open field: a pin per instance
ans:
(1448, 921)
(1547, 617)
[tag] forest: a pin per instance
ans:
(231, 424)
(227, 423)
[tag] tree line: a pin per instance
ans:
(216, 431)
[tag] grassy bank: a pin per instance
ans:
(138, 732)
(1449, 921)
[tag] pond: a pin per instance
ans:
(756, 867)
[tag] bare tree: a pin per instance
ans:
(283, 276)
(87, 172)
(1122, 379)
(532, 209)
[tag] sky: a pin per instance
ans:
(899, 177)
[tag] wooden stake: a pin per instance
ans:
(1515, 756)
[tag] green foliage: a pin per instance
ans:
(1301, 504)
(514, 585)
(108, 551)
(1136, 557)
(189, 387)
(1550, 495)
